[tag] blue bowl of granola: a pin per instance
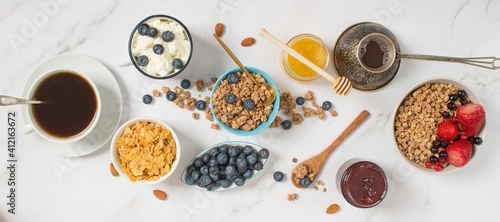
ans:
(237, 103)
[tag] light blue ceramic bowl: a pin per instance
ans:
(263, 125)
(207, 150)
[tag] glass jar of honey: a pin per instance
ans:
(311, 47)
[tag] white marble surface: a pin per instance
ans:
(54, 188)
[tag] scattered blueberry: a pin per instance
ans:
(248, 174)
(171, 96)
(264, 153)
(433, 159)
(142, 60)
(305, 182)
(258, 166)
(443, 154)
(239, 181)
(206, 179)
(247, 150)
(222, 158)
(461, 93)
(190, 180)
(231, 170)
(252, 158)
(206, 157)
(230, 98)
(248, 104)
(147, 99)
(152, 32)
(201, 105)
(185, 84)
(204, 169)
(198, 163)
(214, 151)
(190, 169)
(287, 124)
(451, 106)
(167, 36)
(177, 63)
(327, 105)
(478, 140)
(196, 175)
(225, 183)
(233, 77)
(143, 29)
(158, 49)
(446, 114)
(300, 100)
(464, 101)
(453, 97)
(278, 176)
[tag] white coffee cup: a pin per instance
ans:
(33, 125)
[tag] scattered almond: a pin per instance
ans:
(219, 29)
(332, 209)
(113, 170)
(160, 194)
(324, 189)
(248, 42)
(316, 187)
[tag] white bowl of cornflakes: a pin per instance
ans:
(145, 150)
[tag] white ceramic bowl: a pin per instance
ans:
(472, 96)
(115, 156)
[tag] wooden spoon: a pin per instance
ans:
(317, 161)
(341, 86)
(269, 100)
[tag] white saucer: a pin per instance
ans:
(111, 99)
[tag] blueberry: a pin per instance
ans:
(213, 170)
(232, 161)
(464, 101)
(152, 32)
(287, 124)
(239, 181)
(214, 151)
(258, 166)
(171, 96)
(215, 177)
(233, 151)
(250, 167)
(240, 162)
(247, 150)
(147, 99)
(248, 174)
(451, 106)
(248, 104)
(300, 100)
(264, 153)
(242, 170)
(222, 158)
(305, 182)
(177, 63)
(223, 148)
(446, 114)
(225, 183)
(185, 84)
(167, 36)
(143, 29)
(443, 144)
(196, 175)
(158, 49)
(198, 163)
(433, 159)
(200, 105)
(230, 98)
(206, 179)
(252, 158)
(206, 157)
(231, 170)
(327, 105)
(278, 176)
(190, 169)
(213, 162)
(217, 183)
(210, 187)
(453, 97)
(461, 93)
(478, 140)
(200, 184)
(204, 169)
(222, 170)
(443, 154)
(434, 149)
(190, 180)
(233, 77)
(142, 60)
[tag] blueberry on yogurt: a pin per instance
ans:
(152, 32)
(177, 63)
(142, 60)
(167, 36)
(158, 49)
(143, 29)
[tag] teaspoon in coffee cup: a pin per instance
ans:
(9, 100)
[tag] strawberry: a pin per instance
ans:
(459, 153)
(471, 118)
(448, 130)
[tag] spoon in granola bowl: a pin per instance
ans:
(269, 100)
(311, 167)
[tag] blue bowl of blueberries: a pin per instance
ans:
(246, 103)
(225, 166)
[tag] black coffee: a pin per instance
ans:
(71, 104)
(374, 54)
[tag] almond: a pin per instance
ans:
(248, 42)
(113, 170)
(219, 29)
(160, 194)
(332, 209)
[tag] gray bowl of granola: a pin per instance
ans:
(415, 122)
(233, 116)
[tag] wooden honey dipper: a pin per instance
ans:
(341, 85)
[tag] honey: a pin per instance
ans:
(312, 48)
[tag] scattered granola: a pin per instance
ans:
(214, 126)
(324, 189)
(177, 91)
(316, 187)
(321, 183)
(195, 115)
(186, 95)
(292, 196)
(214, 80)
(333, 113)
(207, 100)
(156, 93)
(209, 84)
(297, 119)
(309, 96)
(165, 89)
(276, 122)
(199, 85)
